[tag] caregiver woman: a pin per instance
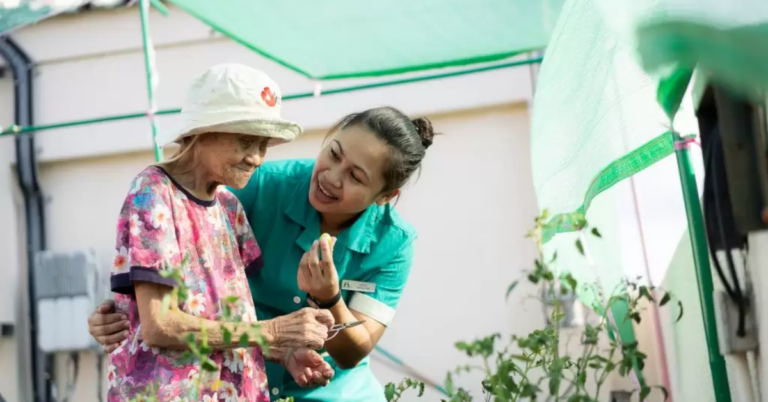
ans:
(345, 192)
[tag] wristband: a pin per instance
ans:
(317, 304)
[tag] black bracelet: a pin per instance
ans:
(317, 304)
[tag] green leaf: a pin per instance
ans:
(571, 281)
(208, 365)
(680, 316)
(644, 392)
(663, 391)
(580, 247)
(389, 391)
(227, 335)
(510, 289)
(166, 303)
(244, 341)
(596, 232)
(664, 300)
(166, 273)
(645, 292)
(449, 384)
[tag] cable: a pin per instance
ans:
(712, 199)
(100, 377)
(74, 360)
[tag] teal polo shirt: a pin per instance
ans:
(377, 248)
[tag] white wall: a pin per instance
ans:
(474, 198)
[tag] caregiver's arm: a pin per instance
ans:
(377, 309)
(169, 329)
(353, 344)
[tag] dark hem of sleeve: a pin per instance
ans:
(123, 283)
(254, 267)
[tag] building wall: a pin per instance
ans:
(474, 197)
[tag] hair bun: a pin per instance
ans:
(424, 127)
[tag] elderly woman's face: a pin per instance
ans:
(231, 159)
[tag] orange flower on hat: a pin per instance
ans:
(269, 97)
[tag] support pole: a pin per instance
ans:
(703, 270)
(149, 66)
(18, 129)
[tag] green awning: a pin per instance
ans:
(14, 16)
(351, 38)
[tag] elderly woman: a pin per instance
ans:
(179, 218)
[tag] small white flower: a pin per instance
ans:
(136, 186)
(112, 375)
(233, 360)
(145, 348)
(214, 217)
(161, 215)
(120, 263)
(228, 392)
(206, 257)
(135, 224)
(211, 398)
(195, 303)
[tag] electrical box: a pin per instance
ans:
(65, 291)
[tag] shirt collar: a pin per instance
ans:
(358, 237)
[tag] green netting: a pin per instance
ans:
(596, 120)
(16, 14)
(351, 38)
(727, 40)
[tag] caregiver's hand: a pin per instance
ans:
(307, 328)
(307, 368)
(107, 326)
(319, 278)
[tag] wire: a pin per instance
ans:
(712, 200)
(74, 359)
(100, 377)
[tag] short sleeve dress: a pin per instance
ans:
(163, 227)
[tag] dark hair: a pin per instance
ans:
(408, 139)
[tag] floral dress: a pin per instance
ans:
(163, 227)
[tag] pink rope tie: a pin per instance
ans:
(685, 143)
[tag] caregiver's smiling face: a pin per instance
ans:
(349, 172)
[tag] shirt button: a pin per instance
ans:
(275, 391)
(297, 299)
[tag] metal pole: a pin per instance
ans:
(42, 364)
(703, 270)
(149, 66)
(13, 130)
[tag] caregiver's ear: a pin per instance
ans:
(388, 196)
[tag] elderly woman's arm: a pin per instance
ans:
(170, 329)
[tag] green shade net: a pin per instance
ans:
(724, 40)
(16, 14)
(351, 38)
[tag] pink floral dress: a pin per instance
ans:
(162, 227)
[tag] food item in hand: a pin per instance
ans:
(326, 237)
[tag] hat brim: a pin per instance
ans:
(278, 131)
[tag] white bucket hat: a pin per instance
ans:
(233, 98)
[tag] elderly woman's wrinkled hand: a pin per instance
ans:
(108, 326)
(307, 328)
(308, 368)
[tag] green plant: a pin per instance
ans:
(199, 350)
(535, 366)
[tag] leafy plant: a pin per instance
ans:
(198, 349)
(534, 366)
